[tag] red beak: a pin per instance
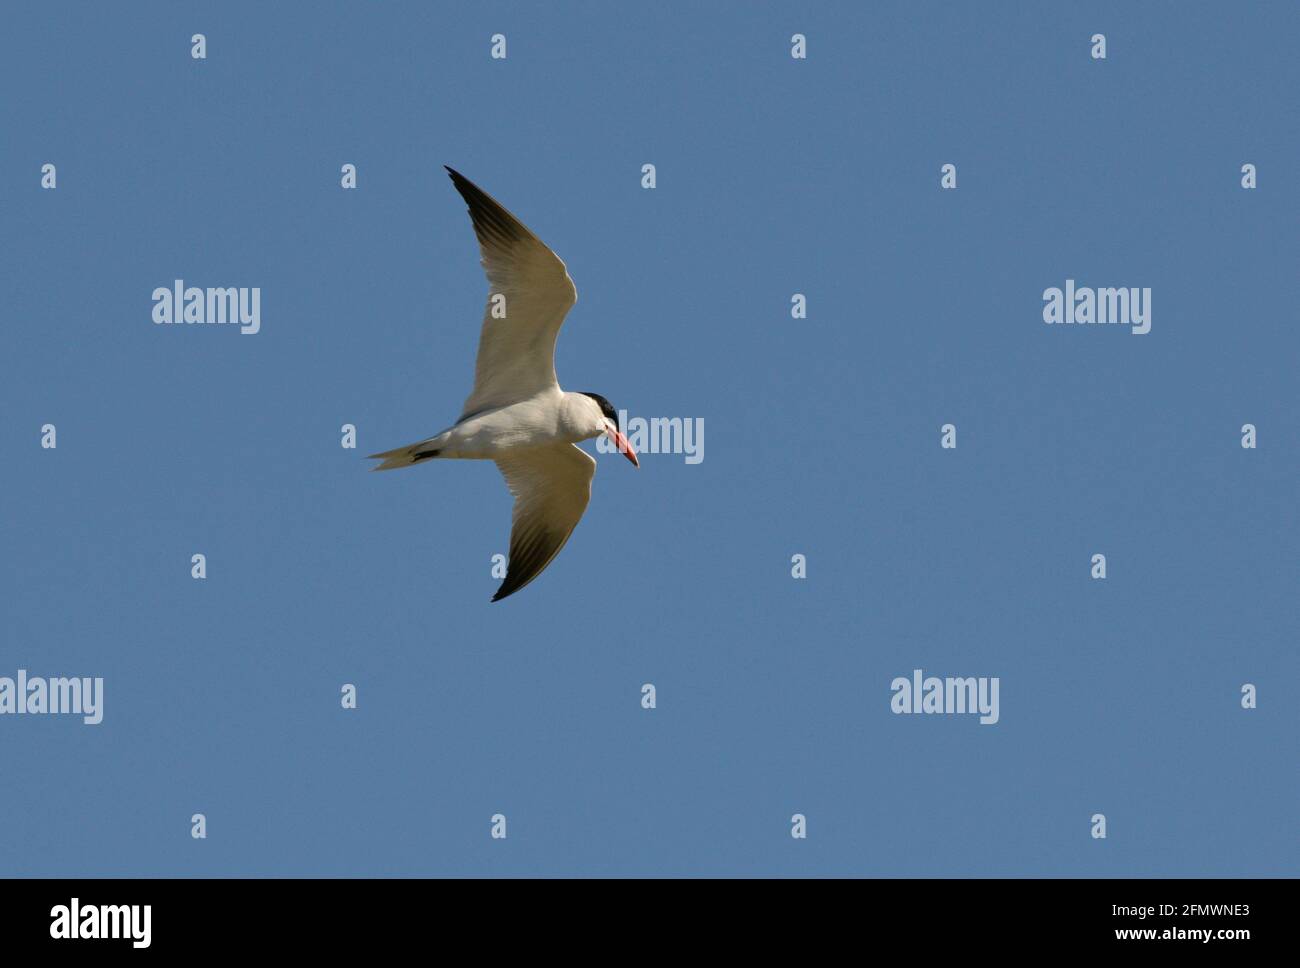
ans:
(624, 447)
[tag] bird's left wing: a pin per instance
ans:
(530, 293)
(552, 486)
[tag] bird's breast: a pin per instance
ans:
(532, 423)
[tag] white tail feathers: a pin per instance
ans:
(407, 456)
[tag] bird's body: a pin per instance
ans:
(547, 417)
(517, 415)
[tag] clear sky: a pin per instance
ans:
(774, 176)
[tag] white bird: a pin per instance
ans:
(517, 415)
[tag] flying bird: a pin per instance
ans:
(517, 415)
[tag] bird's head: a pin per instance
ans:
(605, 421)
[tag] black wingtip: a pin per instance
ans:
(504, 592)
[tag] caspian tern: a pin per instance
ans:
(517, 415)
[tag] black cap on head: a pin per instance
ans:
(606, 407)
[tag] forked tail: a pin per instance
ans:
(407, 456)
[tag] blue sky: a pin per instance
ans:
(775, 176)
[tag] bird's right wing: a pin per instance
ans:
(516, 353)
(552, 486)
